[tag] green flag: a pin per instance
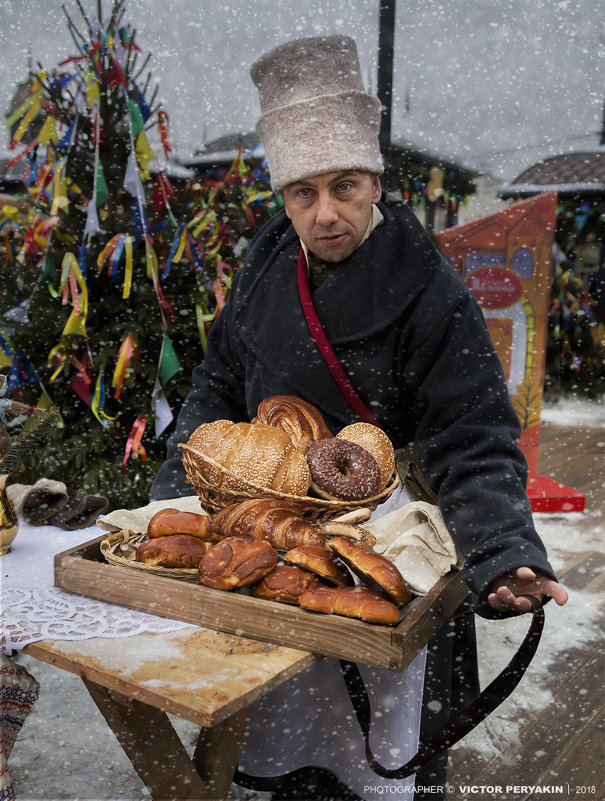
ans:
(136, 117)
(169, 361)
(102, 190)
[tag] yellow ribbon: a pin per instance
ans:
(203, 222)
(76, 324)
(144, 155)
(92, 87)
(30, 115)
(35, 96)
(107, 251)
(181, 247)
(258, 196)
(152, 262)
(124, 358)
(128, 267)
(202, 318)
(48, 132)
(62, 359)
(60, 200)
(96, 399)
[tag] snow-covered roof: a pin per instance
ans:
(570, 174)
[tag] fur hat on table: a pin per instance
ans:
(316, 115)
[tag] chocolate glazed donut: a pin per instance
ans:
(343, 470)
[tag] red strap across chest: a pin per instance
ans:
(334, 366)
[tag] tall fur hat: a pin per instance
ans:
(316, 115)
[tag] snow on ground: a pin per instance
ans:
(87, 763)
(574, 409)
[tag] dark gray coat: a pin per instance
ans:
(415, 345)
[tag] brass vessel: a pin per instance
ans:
(8, 519)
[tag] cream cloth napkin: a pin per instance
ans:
(415, 538)
(137, 519)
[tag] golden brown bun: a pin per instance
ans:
(278, 522)
(284, 584)
(351, 602)
(301, 421)
(321, 562)
(176, 550)
(174, 521)
(374, 440)
(373, 569)
(259, 454)
(236, 562)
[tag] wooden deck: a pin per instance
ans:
(562, 746)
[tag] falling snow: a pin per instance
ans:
(495, 85)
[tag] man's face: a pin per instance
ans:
(331, 212)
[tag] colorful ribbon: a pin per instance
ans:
(125, 354)
(176, 249)
(71, 273)
(97, 402)
(163, 123)
(133, 443)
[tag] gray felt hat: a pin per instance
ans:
(316, 115)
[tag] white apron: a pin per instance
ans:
(310, 721)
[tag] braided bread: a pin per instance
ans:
(300, 420)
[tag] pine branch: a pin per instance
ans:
(30, 438)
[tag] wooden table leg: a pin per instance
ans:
(152, 745)
(220, 745)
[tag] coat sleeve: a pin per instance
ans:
(218, 384)
(217, 393)
(467, 434)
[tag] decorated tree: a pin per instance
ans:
(576, 335)
(112, 274)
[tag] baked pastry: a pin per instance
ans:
(174, 521)
(359, 602)
(301, 421)
(236, 562)
(373, 569)
(374, 440)
(206, 437)
(176, 550)
(320, 561)
(343, 470)
(277, 522)
(285, 584)
(259, 454)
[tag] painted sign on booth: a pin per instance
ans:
(506, 260)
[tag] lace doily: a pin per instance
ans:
(34, 609)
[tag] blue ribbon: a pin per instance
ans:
(173, 249)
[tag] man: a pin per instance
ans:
(403, 325)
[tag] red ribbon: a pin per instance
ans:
(134, 441)
(334, 366)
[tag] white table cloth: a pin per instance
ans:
(34, 609)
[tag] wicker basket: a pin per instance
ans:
(217, 487)
(120, 549)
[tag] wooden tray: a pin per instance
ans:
(83, 570)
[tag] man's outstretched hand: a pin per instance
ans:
(506, 590)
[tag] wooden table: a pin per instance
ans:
(204, 676)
